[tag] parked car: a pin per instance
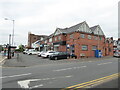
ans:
(33, 52)
(25, 52)
(73, 56)
(116, 54)
(39, 54)
(59, 55)
(47, 54)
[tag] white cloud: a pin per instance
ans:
(43, 16)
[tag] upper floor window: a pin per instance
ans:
(100, 38)
(89, 37)
(84, 47)
(55, 38)
(50, 40)
(45, 41)
(41, 38)
(82, 35)
(95, 37)
(71, 36)
(94, 47)
(59, 38)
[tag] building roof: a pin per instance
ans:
(72, 28)
(97, 30)
(93, 28)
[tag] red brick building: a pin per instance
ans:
(33, 38)
(80, 40)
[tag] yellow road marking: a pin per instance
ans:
(94, 81)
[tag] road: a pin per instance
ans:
(59, 75)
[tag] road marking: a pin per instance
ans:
(104, 63)
(94, 82)
(26, 83)
(89, 61)
(70, 68)
(16, 75)
(36, 86)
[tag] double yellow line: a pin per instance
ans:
(94, 82)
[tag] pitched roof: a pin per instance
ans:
(93, 28)
(71, 29)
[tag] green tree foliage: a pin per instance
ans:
(21, 48)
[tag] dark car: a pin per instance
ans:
(59, 55)
(73, 56)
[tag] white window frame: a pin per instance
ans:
(82, 35)
(71, 35)
(50, 40)
(84, 47)
(94, 47)
(59, 37)
(89, 37)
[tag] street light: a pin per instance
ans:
(13, 29)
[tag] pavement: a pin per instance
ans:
(23, 60)
(2, 58)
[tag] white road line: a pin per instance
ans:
(69, 68)
(89, 61)
(104, 63)
(26, 83)
(36, 86)
(16, 75)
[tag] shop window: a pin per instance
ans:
(82, 35)
(84, 47)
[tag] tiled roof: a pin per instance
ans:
(93, 28)
(71, 29)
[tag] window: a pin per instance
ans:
(82, 36)
(95, 37)
(71, 36)
(41, 38)
(84, 47)
(94, 47)
(59, 38)
(89, 37)
(110, 50)
(100, 38)
(55, 38)
(50, 40)
(34, 37)
(45, 41)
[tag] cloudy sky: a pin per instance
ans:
(44, 16)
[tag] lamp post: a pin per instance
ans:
(13, 30)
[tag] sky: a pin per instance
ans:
(42, 17)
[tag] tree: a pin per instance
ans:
(21, 48)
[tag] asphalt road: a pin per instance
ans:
(57, 74)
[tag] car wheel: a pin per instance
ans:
(47, 56)
(56, 58)
(68, 57)
(30, 54)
